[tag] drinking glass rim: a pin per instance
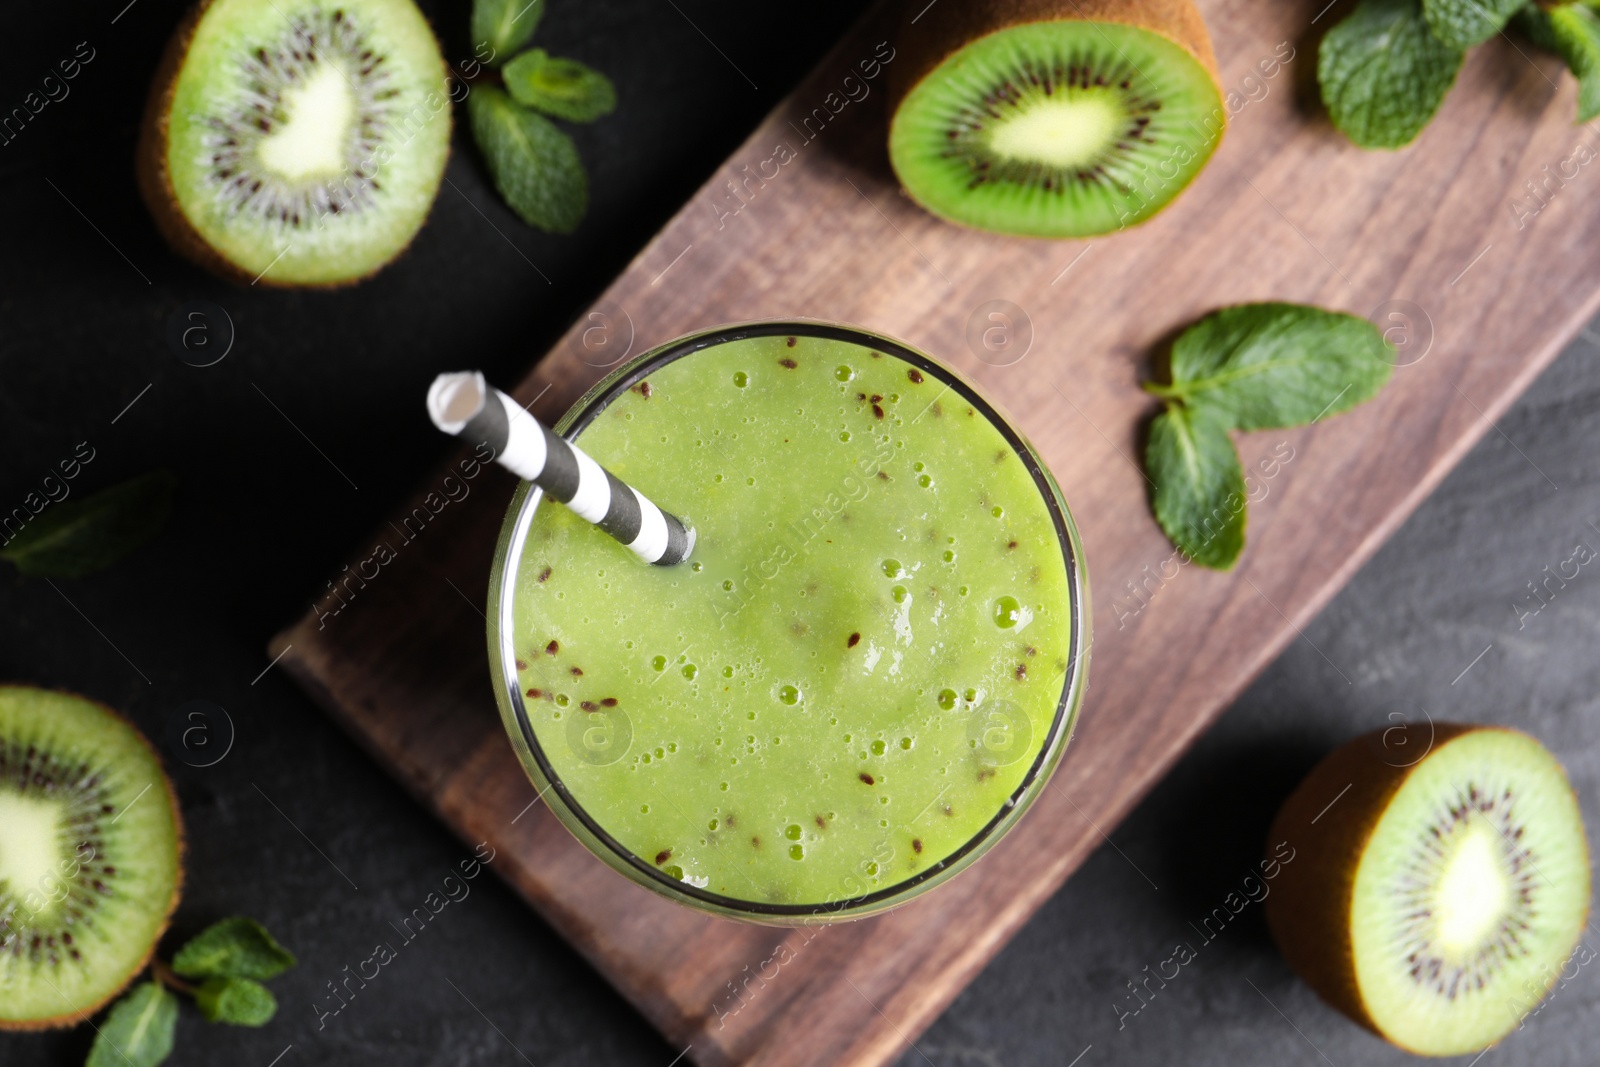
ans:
(507, 562)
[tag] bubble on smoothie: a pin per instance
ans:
(947, 699)
(690, 670)
(906, 743)
(950, 557)
(789, 694)
(844, 373)
(1009, 613)
(893, 568)
(925, 481)
(796, 852)
(878, 747)
(659, 663)
(998, 511)
(741, 379)
(792, 831)
(900, 593)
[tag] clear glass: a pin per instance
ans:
(502, 656)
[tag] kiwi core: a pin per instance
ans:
(1474, 890)
(1071, 130)
(311, 140)
(29, 834)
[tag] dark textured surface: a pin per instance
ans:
(298, 827)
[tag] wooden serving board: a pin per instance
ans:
(817, 228)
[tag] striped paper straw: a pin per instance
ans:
(465, 405)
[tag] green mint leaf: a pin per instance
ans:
(534, 165)
(1199, 494)
(1575, 34)
(1264, 365)
(236, 1001)
(1464, 23)
(138, 1032)
(1534, 21)
(503, 26)
(562, 88)
(233, 948)
(78, 537)
(1383, 74)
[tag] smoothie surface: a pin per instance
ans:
(860, 662)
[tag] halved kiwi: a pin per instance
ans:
(91, 851)
(1439, 881)
(296, 142)
(1053, 118)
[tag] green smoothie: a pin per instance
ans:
(860, 664)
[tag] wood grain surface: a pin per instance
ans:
(1440, 242)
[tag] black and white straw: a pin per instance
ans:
(465, 405)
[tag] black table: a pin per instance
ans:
(293, 447)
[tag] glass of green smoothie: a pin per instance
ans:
(865, 672)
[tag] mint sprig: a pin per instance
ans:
(534, 164)
(1386, 67)
(1464, 23)
(1248, 367)
(504, 25)
(139, 1030)
(1199, 496)
(1384, 74)
(1572, 31)
(228, 958)
(74, 538)
(560, 87)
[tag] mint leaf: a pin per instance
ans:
(1575, 34)
(138, 1032)
(236, 1001)
(78, 537)
(534, 165)
(1199, 495)
(1266, 365)
(1383, 74)
(563, 88)
(1464, 23)
(233, 948)
(504, 26)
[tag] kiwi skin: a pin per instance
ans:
(949, 27)
(150, 158)
(58, 1022)
(155, 183)
(1312, 897)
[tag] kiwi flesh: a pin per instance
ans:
(1439, 882)
(296, 142)
(1053, 118)
(91, 856)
